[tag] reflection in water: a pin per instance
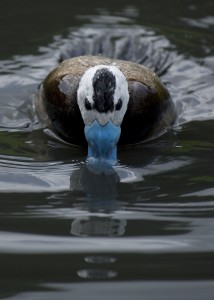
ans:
(99, 184)
(96, 274)
(100, 187)
(101, 202)
(97, 259)
(95, 226)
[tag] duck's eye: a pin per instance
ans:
(119, 104)
(87, 104)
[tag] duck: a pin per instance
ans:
(103, 103)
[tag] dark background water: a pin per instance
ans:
(144, 231)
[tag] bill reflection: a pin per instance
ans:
(100, 187)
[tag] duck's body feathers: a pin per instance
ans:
(150, 109)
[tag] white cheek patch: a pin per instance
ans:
(85, 91)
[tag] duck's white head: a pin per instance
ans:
(103, 97)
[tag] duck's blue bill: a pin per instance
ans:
(102, 141)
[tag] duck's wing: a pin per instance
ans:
(60, 102)
(150, 109)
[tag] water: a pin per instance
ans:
(143, 230)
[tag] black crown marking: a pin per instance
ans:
(104, 83)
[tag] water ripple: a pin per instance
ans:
(28, 243)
